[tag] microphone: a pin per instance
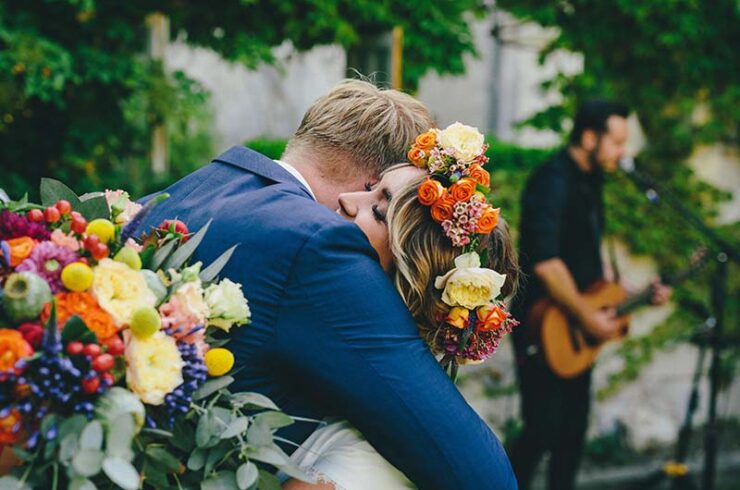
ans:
(646, 184)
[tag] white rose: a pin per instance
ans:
(468, 285)
(227, 304)
(465, 142)
(121, 206)
(190, 296)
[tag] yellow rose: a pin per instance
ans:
(458, 317)
(120, 290)
(468, 285)
(465, 142)
(153, 367)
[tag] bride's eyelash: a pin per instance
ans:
(368, 186)
(378, 214)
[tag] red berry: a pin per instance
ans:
(92, 350)
(84, 260)
(91, 242)
(103, 363)
(91, 385)
(75, 348)
(63, 206)
(52, 214)
(115, 346)
(100, 251)
(178, 226)
(107, 378)
(35, 215)
(79, 224)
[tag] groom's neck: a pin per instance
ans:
(322, 185)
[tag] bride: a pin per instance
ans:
(431, 228)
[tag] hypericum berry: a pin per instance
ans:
(100, 251)
(91, 241)
(103, 228)
(92, 350)
(115, 346)
(178, 226)
(35, 215)
(91, 385)
(75, 348)
(52, 214)
(78, 224)
(107, 379)
(103, 363)
(63, 206)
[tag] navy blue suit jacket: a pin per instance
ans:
(329, 333)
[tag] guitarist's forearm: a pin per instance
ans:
(560, 286)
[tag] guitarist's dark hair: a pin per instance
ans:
(593, 114)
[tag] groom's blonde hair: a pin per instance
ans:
(362, 125)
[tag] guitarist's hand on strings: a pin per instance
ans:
(661, 293)
(601, 324)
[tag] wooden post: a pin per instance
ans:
(397, 58)
(159, 37)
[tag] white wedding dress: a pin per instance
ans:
(337, 453)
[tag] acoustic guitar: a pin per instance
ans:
(566, 347)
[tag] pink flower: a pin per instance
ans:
(14, 225)
(132, 244)
(47, 260)
(69, 242)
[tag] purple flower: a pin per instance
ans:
(14, 225)
(47, 261)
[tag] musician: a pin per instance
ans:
(560, 239)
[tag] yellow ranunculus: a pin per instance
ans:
(120, 290)
(458, 317)
(465, 141)
(153, 367)
(468, 285)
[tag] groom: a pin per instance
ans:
(329, 334)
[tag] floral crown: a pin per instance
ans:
(455, 192)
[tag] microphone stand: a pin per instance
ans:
(724, 253)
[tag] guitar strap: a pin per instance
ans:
(611, 250)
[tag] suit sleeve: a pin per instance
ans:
(542, 216)
(345, 333)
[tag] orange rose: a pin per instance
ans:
(458, 317)
(84, 306)
(11, 427)
(462, 190)
(490, 317)
(480, 175)
(20, 248)
(417, 156)
(13, 347)
(443, 208)
(429, 191)
(426, 141)
(488, 220)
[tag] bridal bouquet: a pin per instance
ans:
(110, 375)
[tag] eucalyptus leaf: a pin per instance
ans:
(157, 432)
(72, 425)
(183, 253)
(270, 455)
(121, 472)
(164, 459)
(216, 454)
(211, 386)
(223, 480)
(237, 426)
(92, 436)
(259, 434)
(79, 483)
(211, 272)
(268, 481)
(87, 461)
(183, 436)
(155, 477)
(161, 255)
(246, 475)
(274, 420)
(253, 400)
(120, 437)
(68, 447)
(12, 483)
(94, 208)
(208, 431)
(52, 190)
(197, 459)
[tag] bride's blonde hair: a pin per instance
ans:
(421, 252)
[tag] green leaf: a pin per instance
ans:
(87, 461)
(121, 472)
(52, 190)
(163, 458)
(157, 432)
(75, 329)
(155, 477)
(209, 273)
(79, 483)
(92, 436)
(270, 455)
(183, 253)
(211, 386)
(216, 454)
(94, 208)
(197, 459)
(259, 434)
(72, 425)
(208, 430)
(268, 481)
(274, 420)
(237, 426)
(183, 436)
(161, 255)
(12, 483)
(223, 480)
(252, 400)
(120, 437)
(68, 447)
(246, 475)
